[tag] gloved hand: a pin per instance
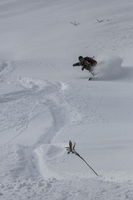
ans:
(74, 65)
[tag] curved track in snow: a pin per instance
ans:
(35, 114)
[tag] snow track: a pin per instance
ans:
(38, 118)
(33, 114)
(34, 99)
(32, 103)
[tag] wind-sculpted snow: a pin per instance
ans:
(67, 189)
(3, 65)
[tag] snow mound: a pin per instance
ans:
(109, 67)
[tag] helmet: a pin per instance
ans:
(80, 57)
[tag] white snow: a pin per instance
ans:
(45, 101)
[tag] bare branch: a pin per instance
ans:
(71, 149)
(74, 23)
(100, 21)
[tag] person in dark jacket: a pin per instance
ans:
(87, 63)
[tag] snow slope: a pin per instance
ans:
(45, 102)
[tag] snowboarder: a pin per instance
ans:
(87, 63)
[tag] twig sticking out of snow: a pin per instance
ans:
(71, 149)
(74, 23)
(100, 21)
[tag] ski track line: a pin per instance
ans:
(21, 160)
(26, 97)
(33, 91)
(45, 171)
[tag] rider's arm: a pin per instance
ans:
(76, 64)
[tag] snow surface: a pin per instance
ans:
(45, 102)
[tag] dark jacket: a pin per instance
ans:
(87, 63)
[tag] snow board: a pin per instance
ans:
(89, 78)
(93, 75)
